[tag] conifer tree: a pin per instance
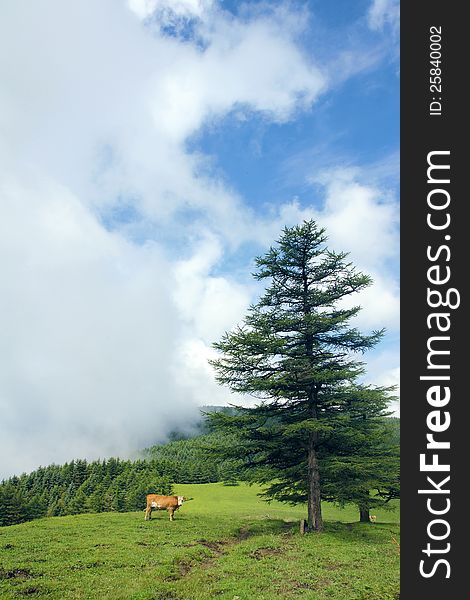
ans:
(12, 504)
(362, 464)
(295, 352)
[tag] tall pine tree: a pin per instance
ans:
(295, 352)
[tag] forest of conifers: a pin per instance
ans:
(114, 484)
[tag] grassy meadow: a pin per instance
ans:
(226, 543)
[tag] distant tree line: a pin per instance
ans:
(79, 487)
(113, 484)
(121, 485)
(191, 460)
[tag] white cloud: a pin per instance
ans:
(362, 217)
(246, 66)
(105, 340)
(384, 12)
(364, 220)
(179, 8)
(196, 376)
(88, 331)
(111, 117)
(211, 304)
(383, 370)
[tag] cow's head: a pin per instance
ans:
(181, 499)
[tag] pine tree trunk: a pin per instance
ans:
(364, 514)
(315, 521)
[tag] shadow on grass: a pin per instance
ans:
(346, 532)
(360, 532)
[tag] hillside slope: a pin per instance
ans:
(224, 543)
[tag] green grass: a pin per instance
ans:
(226, 543)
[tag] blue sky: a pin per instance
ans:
(143, 170)
(355, 126)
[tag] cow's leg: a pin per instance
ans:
(171, 512)
(148, 513)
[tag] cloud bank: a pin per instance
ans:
(115, 239)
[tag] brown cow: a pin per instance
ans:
(169, 503)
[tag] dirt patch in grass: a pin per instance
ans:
(243, 534)
(166, 596)
(320, 583)
(17, 574)
(261, 553)
(217, 547)
(31, 591)
(296, 588)
(183, 568)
